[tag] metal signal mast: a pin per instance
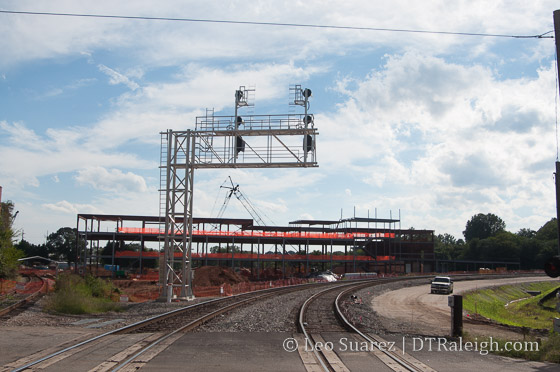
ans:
(250, 141)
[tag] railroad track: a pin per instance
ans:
(133, 346)
(24, 303)
(130, 347)
(322, 314)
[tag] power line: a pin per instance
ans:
(278, 24)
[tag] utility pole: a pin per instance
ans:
(556, 16)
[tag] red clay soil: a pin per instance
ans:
(138, 290)
(207, 276)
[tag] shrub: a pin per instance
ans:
(76, 295)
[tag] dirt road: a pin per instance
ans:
(428, 314)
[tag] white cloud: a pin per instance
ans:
(113, 180)
(440, 140)
(30, 37)
(117, 78)
(457, 138)
(56, 152)
(66, 207)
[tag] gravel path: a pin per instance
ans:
(361, 314)
(275, 314)
(134, 312)
(413, 311)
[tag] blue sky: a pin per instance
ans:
(440, 127)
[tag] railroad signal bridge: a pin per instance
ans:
(238, 141)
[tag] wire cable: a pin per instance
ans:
(279, 24)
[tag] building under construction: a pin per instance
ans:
(245, 140)
(347, 245)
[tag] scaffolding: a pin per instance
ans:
(328, 244)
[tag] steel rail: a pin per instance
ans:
(144, 322)
(302, 324)
(201, 320)
(32, 297)
(159, 317)
(373, 342)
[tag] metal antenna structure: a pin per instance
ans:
(234, 190)
(250, 141)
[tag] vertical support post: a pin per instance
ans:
(113, 270)
(168, 243)
(307, 257)
(142, 245)
(556, 16)
(331, 263)
(233, 253)
(354, 251)
(97, 252)
(259, 258)
(455, 302)
(77, 239)
(189, 216)
(185, 233)
(85, 250)
(283, 258)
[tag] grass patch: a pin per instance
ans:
(77, 295)
(491, 303)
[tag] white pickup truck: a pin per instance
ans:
(442, 284)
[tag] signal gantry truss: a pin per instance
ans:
(251, 141)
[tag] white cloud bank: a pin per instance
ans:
(113, 180)
(440, 140)
(443, 141)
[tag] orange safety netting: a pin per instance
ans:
(254, 256)
(264, 234)
(229, 290)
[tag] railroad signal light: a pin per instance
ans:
(307, 143)
(552, 267)
(239, 145)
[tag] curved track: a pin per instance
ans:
(322, 313)
(24, 303)
(138, 343)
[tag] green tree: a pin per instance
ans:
(446, 247)
(529, 250)
(503, 246)
(549, 231)
(526, 233)
(9, 255)
(227, 249)
(30, 249)
(62, 244)
(482, 226)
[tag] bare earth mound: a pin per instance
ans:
(208, 276)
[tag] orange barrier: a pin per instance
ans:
(7, 286)
(263, 234)
(244, 287)
(254, 256)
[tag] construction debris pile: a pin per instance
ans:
(208, 276)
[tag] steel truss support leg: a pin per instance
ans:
(178, 218)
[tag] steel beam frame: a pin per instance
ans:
(222, 142)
